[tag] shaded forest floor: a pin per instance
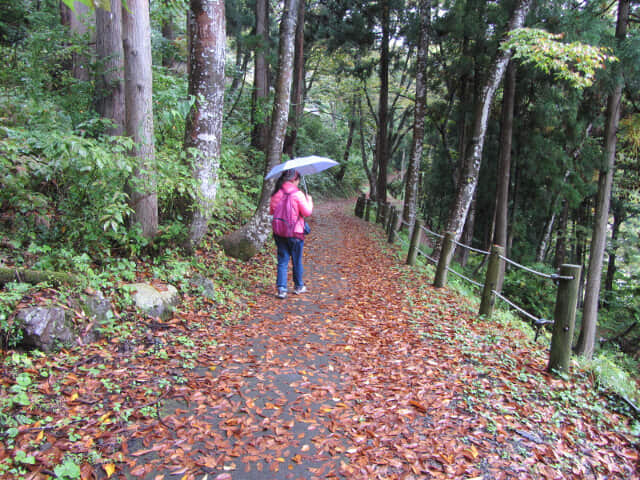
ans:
(372, 374)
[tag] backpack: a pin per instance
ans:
(284, 217)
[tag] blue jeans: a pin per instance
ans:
(289, 248)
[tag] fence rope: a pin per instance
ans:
(477, 250)
(437, 235)
(432, 260)
(531, 317)
(551, 276)
(403, 241)
(477, 284)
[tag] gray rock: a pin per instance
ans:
(153, 302)
(207, 286)
(45, 328)
(97, 307)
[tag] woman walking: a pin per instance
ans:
(289, 207)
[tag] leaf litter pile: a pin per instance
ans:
(372, 374)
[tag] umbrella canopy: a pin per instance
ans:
(303, 165)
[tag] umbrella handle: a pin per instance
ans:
(304, 184)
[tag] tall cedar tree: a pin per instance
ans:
(260, 132)
(586, 341)
(203, 131)
(413, 172)
(110, 67)
(136, 41)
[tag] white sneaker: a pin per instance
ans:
(299, 290)
(282, 293)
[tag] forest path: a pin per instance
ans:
(371, 374)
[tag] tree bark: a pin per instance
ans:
(203, 133)
(382, 137)
(136, 41)
(504, 161)
(473, 156)
(587, 339)
(110, 101)
(298, 88)
(78, 21)
(410, 209)
(619, 215)
(247, 241)
(259, 120)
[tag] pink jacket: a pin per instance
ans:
(300, 202)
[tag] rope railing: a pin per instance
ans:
(432, 260)
(477, 284)
(437, 235)
(550, 276)
(566, 279)
(477, 250)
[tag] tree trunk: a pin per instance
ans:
(561, 236)
(259, 118)
(618, 217)
(370, 172)
(504, 161)
(168, 37)
(245, 242)
(413, 172)
(473, 156)
(206, 30)
(136, 41)
(587, 339)
(109, 100)
(339, 176)
(298, 87)
(79, 20)
(382, 137)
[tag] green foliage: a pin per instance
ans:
(10, 296)
(535, 294)
(575, 62)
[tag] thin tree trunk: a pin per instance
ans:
(298, 92)
(259, 119)
(370, 172)
(415, 160)
(247, 241)
(136, 41)
(109, 78)
(561, 237)
(618, 218)
(504, 162)
(79, 21)
(587, 339)
(382, 137)
(206, 29)
(473, 157)
(168, 36)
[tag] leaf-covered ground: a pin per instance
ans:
(372, 374)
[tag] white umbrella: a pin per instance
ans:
(303, 165)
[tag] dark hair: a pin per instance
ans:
(287, 176)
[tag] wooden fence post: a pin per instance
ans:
(415, 243)
(360, 205)
(391, 226)
(445, 253)
(492, 280)
(564, 318)
(367, 209)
